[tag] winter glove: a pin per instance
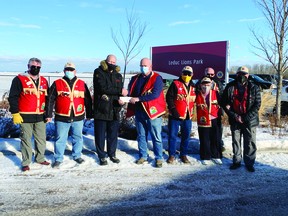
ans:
(17, 119)
(174, 113)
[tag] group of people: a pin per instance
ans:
(68, 100)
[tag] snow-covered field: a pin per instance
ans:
(131, 189)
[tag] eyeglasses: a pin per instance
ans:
(210, 74)
(35, 67)
(187, 73)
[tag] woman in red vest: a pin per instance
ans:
(208, 129)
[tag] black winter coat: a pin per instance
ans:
(107, 89)
(251, 118)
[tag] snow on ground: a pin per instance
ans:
(131, 189)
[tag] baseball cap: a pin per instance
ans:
(205, 80)
(243, 69)
(188, 69)
(69, 65)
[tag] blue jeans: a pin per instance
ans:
(173, 128)
(144, 125)
(62, 130)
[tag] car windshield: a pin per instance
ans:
(257, 78)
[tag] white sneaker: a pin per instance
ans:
(205, 162)
(217, 161)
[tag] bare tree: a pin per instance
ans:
(128, 43)
(274, 49)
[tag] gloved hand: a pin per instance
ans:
(175, 113)
(17, 119)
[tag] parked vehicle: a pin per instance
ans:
(269, 77)
(272, 78)
(258, 81)
(284, 99)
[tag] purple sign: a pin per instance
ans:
(172, 59)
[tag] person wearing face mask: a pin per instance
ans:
(180, 98)
(71, 99)
(108, 87)
(27, 100)
(208, 128)
(241, 100)
(218, 86)
(148, 105)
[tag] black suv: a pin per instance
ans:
(257, 80)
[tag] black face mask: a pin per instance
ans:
(111, 67)
(34, 70)
(242, 79)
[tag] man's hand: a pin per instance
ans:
(239, 119)
(124, 92)
(133, 100)
(47, 120)
(120, 102)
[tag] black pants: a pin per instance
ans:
(209, 141)
(109, 130)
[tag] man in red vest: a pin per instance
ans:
(27, 99)
(148, 105)
(180, 99)
(71, 98)
(241, 101)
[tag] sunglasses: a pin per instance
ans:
(187, 73)
(35, 67)
(210, 74)
(69, 69)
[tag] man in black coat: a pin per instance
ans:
(241, 101)
(108, 86)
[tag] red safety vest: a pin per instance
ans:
(32, 98)
(185, 100)
(153, 108)
(70, 98)
(239, 106)
(204, 111)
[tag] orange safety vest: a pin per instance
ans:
(32, 99)
(185, 100)
(204, 111)
(153, 108)
(68, 99)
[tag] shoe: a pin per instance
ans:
(25, 168)
(56, 164)
(171, 160)
(205, 162)
(114, 159)
(79, 160)
(103, 162)
(158, 163)
(46, 163)
(235, 166)
(141, 161)
(217, 161)
(184, 159)
(250, 168)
